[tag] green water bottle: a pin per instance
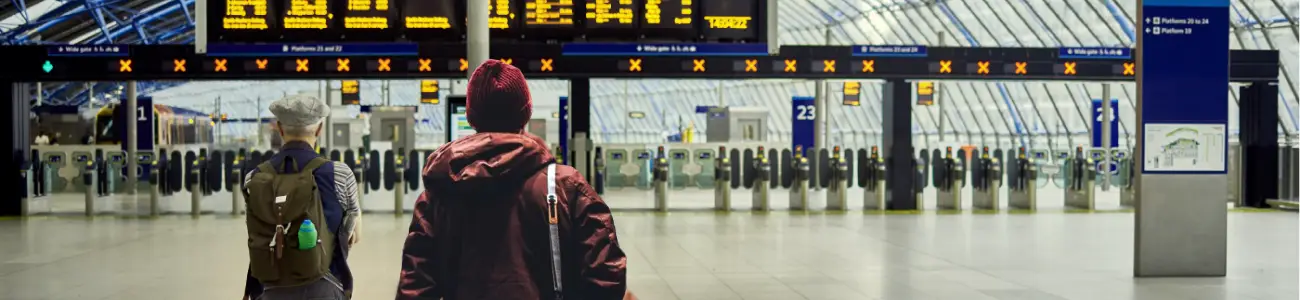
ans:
(306, 235)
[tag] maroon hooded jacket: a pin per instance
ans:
(480, 230)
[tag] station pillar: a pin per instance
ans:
(579, 118)
(1259, 147)
(896, 114)
(1182, 82)
(17, 140)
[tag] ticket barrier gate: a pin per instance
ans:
(986, 179)
(837, 195)
(399, 189)
(799, 187)
(359, 171)
(1127, 194)
(235, 183)
(116, 173)
(1023, 177)
(722, 181)
(659, 180)
(871, 178)
(195, 180)
(949, 178)
(762, 174)
(48, 175)
(599, 164)
(88, 174)
(1080, 174)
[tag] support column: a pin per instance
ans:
(1181, 226)
(820, 113)
(580, 125)
(896, 113)
(18, 142)
(476, 34)
(1260, 164)
(1105, 135)
(132, 139)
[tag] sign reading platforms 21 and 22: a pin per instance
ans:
(1184, 77)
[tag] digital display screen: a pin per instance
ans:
(429, 91)
(729, 19)
(460, 124)
(501, 14)
(610, 14)
(351, 92)
(548, 13)
(306, 14)
(367, 14)
(247, 15)
(428, 14)
(668, 14)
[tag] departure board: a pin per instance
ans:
(367, 14)
(548, 13)
(306, 14)
(428, 14)
(247, 15)
(501, 14)
(610, 14)
(729, 19)
(668, 14)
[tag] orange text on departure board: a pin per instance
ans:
(366, 22)
(307, 14)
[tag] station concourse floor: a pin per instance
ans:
(695, 254)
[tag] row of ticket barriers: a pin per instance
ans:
(98, 173)
(953, 175)
(835, 170)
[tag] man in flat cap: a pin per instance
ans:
(303, 215)
(498, 219)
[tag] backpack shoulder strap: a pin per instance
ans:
(553, 221)
(266, 168)
(313, 164)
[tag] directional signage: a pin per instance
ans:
(925, 93)
(351, 92)
(852, 93)
(804, 112)
(429, 91)
(1098, 118)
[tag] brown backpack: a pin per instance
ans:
(278, 203)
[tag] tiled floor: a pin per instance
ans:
(694, 255)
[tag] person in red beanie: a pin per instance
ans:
(482, 227)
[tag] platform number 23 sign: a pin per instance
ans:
(806, 112)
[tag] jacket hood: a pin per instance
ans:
(482, 160)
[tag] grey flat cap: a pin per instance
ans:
(300, 110)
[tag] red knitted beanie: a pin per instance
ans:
(497, 99)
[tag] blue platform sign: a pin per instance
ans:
(1095, 53)
(890, 51)
(1097, 118)
(1184, 78)
(296, 50)
(664, 49)
(144, 118)
(564, 130)
(804, 111)
(89, 50)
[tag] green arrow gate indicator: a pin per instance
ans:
(47, 66)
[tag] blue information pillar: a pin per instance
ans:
(804, 113)
(1182, 79)
(144, 118)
